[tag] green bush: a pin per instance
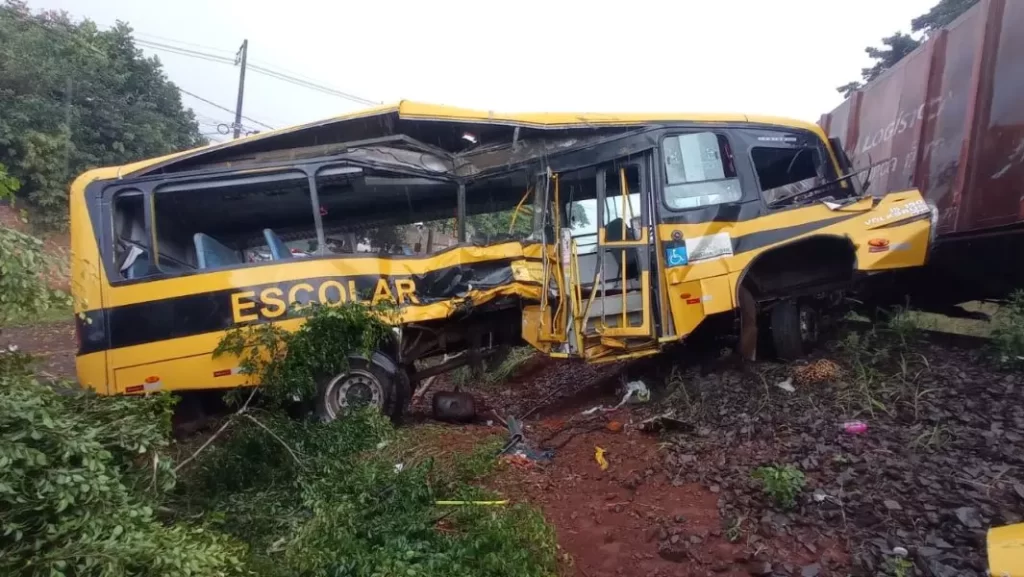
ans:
(782, 484)
(1008, 334)
(23, 264)
(288, 365)
(79, 481)
(324, 499)
(348, 510)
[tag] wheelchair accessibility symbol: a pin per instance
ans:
(676, 256)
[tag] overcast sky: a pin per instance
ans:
(781, 57)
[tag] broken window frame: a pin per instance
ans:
(769, 196)
(149, 187)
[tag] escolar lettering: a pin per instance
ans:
(273, 302)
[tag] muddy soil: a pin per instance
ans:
(52, 344)
(940, 462)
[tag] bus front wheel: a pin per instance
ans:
(794, 326)
(374, 382)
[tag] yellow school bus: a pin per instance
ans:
(626, 232)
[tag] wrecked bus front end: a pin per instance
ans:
(654, 234)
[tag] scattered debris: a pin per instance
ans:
(599, 457)
(661, 422)
(817, 372)
(938, 468)
(786, 385)
(855, 427)
(518, 460)
(517, 444)
(636, 392)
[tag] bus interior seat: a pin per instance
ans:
(278, 249)
(617, 231)
(139, 267)
(212, 254)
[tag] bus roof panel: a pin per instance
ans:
(439, 126)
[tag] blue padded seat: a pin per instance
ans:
(213, 254)
(278, 249)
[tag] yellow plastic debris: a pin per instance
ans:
(1006, 551)
(599, 457)
(484, 503)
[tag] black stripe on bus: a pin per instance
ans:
(219, 310)
(214, 311)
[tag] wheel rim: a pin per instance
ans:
(808, 326)
(355, 389)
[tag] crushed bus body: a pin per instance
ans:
(598, 237)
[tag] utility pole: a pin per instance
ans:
(240, 59)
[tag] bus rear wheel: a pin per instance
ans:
(365, 384)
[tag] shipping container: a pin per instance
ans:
(949, 120)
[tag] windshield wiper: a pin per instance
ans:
(810, 191)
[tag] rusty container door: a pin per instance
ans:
(948, 119)
(996, 181)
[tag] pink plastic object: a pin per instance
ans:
(855, 427)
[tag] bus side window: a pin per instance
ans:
(131, 243)
(699, 171)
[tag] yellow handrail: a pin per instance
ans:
(624, 188)
(512, 225)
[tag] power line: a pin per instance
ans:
(185, 51)
(182, 42)
(312, 85)
(259, 69)
(224, 108)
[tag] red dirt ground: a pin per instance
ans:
(634, 518)
(53, 345)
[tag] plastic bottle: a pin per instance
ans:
(855, 427)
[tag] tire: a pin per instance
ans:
(376, 382)
(454, 407)
(794, 329)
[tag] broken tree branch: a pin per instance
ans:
(216, 434)
(279, 439)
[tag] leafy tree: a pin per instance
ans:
(942, 14)
(496, 224)
(897, 46)
(74, 97)
(23, 287)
